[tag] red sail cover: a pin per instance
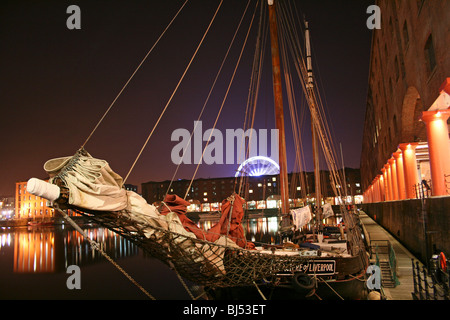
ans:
(236, 231)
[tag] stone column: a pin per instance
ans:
(393, 167)
(410, 168)
(376, 190)
(380, 187)
(387, 182)
(438, 148)
(400, 175)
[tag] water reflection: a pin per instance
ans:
(33, 263)
(52, 249)
(258, 230)
(34, 252)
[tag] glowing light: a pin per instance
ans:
(258, 166)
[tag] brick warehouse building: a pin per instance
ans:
(209, 193)
(30, 206)
(408, 73)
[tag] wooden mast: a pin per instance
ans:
(279, 115)
(315, 146)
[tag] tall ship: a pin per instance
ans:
(319, 254)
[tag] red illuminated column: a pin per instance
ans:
(393, 166)
(400, 175)
(376, 195)
(410, 168)
(438, 148)
(387, 182)
(383, 186)
(379, 190)
(391, 185)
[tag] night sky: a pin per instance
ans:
(56, 83)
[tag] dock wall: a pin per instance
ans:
(421, 225)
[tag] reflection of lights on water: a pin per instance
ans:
(260, 225)
(5, 240)
(273, 224)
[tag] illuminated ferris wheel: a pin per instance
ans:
(258, 166)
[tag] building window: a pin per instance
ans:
(429, 53)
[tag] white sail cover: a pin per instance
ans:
(327, 211)
(301, 216)
(93, 185)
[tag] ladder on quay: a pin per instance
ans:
(403, 271)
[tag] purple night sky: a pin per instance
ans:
(56, 83)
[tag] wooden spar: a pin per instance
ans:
(279, 115)
(315, 146)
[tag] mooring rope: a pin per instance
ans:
(96, 246)
(259, 291)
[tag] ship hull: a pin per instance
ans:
(346, 282)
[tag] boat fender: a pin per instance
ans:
(374, 295)
(43, 189)
(443, 262)
(303, 282)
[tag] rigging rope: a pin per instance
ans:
(173, 93)
(258, 61)
(96, 246)
(209, 95)
(224, 99)
(135, 71)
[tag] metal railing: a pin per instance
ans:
(447, 182)
(429, 285)
(423, 189)
(385, 250)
